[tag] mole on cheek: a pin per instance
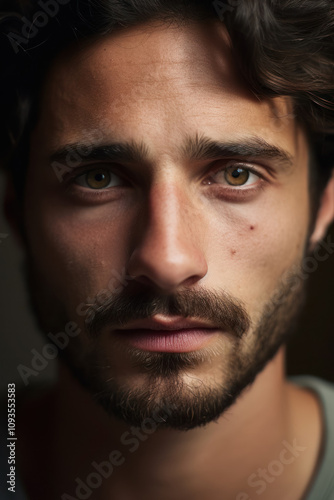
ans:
(233, 252)
(251, 228)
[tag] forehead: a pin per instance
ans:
(158, 85)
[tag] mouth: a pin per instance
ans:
(167, 335)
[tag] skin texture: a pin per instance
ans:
(171, 229)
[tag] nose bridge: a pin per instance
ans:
(167, 251)
(168, 229)
(166, 205)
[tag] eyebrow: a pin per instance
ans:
(194, 148)
(202, 148)
(128, 152)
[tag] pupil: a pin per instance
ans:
(236, 173)
(99, 177)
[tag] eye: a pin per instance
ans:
(99, 178)
(235, 175)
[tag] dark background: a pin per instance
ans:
(311, 351)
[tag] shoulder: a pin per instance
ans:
(323, 482)
(319, 385)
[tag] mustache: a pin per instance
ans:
(218, 307)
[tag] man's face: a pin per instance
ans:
(209, 214)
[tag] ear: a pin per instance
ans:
(325, 214)
(13, 210)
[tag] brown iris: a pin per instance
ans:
(98, 179)
(236, 176)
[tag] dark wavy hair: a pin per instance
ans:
(282, 47)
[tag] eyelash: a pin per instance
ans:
(230, 190)
(86, 192)
(236, 165)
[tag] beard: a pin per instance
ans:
(194, 388)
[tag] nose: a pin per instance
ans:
(168, 250)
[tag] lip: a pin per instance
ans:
(163, 334)
(160, 322)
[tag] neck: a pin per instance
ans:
(219, 457)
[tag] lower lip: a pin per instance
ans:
(184, 340)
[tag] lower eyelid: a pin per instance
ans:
(94, 196)
(232, 194)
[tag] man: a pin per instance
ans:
(170, 171)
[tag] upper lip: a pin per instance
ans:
(166, 323)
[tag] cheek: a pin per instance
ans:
(253, 245)
(75, 249)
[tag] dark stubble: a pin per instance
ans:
(250, 347)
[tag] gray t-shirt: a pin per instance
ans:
(322, 487)
(323, 484)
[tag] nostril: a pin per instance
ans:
(143, 279)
